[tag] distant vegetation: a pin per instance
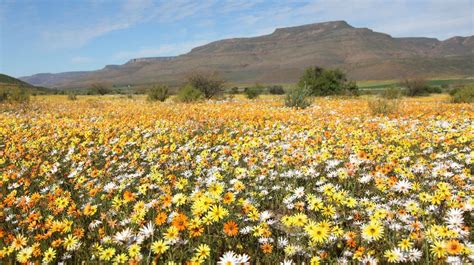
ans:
(326, 82)
(418, 87)
(463, 94)
(158, 93)
(211, 85)
(276, 90)
(100, 89)
(14, 94)
(189, 94)
(254, 91)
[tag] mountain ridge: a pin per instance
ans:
(280, 57)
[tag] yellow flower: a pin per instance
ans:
(391, 256)
(317, 232)
(107, 254)
(405, 244)
(121, 258)
(203, 251)
(19, 242)
(49, 255)
(133, 250)
(24, 255)
(217, 213)
(70, 242)
(438, 249)
(372, 231)
(159, 247)
(171, 233)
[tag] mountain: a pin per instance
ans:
(281, 57)
(7, 82)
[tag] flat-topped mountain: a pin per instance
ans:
(282, 56)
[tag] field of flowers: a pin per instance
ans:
(124, 181)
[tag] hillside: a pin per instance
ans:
(7, 82)
(280, 57)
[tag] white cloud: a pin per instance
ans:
(81, 59)
(162, 50)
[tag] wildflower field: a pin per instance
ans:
(110, 180)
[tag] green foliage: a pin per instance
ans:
(253, 92)
(210, 84)
(383, 106)
(325, 82)
(298, 98)
(71, 96)
(462, 94)
(158, 93)
(234, 90)
(14, 94)
(99, 89)
(418, 87)
(189, 94)
(391, 93)
(276, 90)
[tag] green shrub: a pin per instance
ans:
(253, 92)
(462, 94)
(298, 98)
(158, 93)
(276, 90)
(391, 93)
(189, 94)
(234, 90)
(71, 96)
(14, 94)
(418, 87)
(210, 84)
(382, 106)
(325, 82)
(99, 89)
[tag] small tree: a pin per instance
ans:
(324, 82)
(234, 90)
(100, 89)
(418, 87)
(189, 94)
(158, 93)
(276, 90)
(71, 96)
(391, 93)
(253, 92)
(210, 84)
(14, 94)
(462, 94)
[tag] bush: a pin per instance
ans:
(210, 84)
(391, 93)
(462, 95)
(298, 98)
(418, 87)
(71, 96)
(158, 93)
(253, 92)
(14, 94)
(234, 90)
(276, 90)
(324, 82)
(99, 89)
(382, 106)
(189, 94)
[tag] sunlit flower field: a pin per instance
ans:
(113, 180)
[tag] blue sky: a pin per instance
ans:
(38, 36)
